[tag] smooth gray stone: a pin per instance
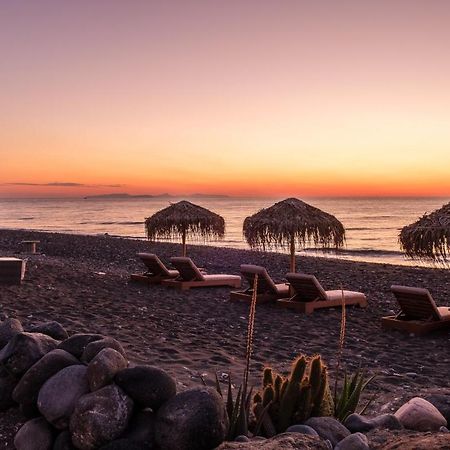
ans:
(303, 429)
(356, 441)
(60, 393)
(328, 428)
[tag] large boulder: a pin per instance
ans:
(148, 386)
(8, 329)
(358, 423)
(23, 350)
(53, 329)
(7, 385)
(27, 390)
(420, 415)
(328, 428)
(95, 347)
(100, 417)
(141, 428)
(36, 434)
(104, 366)
(78, 342)
(195, 418)
(284, 441)
(60, 393)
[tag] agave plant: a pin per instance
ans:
(347, 400)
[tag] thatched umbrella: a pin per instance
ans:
(429, 237)
(182, 219)
(292, 222)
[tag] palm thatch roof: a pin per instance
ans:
(293, 220)
(429, 237)
(184, 218)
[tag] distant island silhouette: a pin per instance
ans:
(165, 195)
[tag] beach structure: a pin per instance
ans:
(156, 270)
(292, 223)
(190, 276)
(30, 246)
(418, 314)
(429, 237)
(184, 219)
(266, 290)
(12, 270)
(307, 295)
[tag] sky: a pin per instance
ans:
(243, 97)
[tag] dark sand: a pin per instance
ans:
(83, 282)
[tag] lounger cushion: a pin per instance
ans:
(221, 277)
(155, 266)
(444, 312)
(348, 295)
(265, 282)
(416, 303)
(282, 290)
(306, 287)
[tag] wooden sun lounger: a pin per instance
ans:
(266, 291)
(190, 276)
(156, 270)
(308, 295)
(418, 312)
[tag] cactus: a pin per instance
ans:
(293, 399)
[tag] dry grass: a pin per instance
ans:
(429, 237)
(185, 218)
(276, 226)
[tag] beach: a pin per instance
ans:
(83, 283)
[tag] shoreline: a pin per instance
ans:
(82, 281)
(358, 255)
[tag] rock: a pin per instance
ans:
(442, 403)
(357, 423)
(124, 444)
(193, 419)
(60, 393)
(63, 441)
(27, 390)
(95, 347)
(8, 329)
(103, 367)
(284, 441)
(52, 329)
(148, 386)
(36, 434)
(328, 428)
(23, 350)
(78, 342)
(420, 415)
(241, 438)
(7, 385)
(356, 441)
(141, 428)
(100, 417)
(304, 429)
(444, 430)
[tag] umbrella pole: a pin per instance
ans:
(183, 241)
(293, 254)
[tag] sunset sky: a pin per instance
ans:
(302, 98)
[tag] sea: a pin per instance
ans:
(372, 224)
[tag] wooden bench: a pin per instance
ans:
(30, 246)
(12, 270)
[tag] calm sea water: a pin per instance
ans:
(372, 225)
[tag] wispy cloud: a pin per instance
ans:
(62, 184)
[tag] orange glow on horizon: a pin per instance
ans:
(252, 99)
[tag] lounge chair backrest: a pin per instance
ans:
(188, 270)
(306, 287)
(416, 303)
(154, 265)
(265, 283)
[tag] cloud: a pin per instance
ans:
(63, 184)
